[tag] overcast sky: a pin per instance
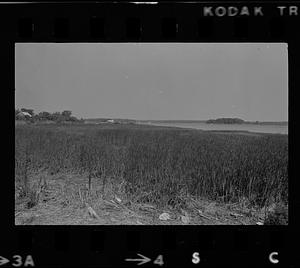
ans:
(154, 80)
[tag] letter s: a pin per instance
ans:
(196, 258)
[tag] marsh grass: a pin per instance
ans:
(278, 216)
(158, 165)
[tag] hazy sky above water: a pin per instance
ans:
(192, 81)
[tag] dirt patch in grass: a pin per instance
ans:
(66, 200)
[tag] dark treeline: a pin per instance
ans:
(29, 115)
(225, 121)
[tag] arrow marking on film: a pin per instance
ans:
(142, 261)
(3, 260)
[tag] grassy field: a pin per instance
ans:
(160, 167)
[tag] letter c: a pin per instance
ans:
(272, 258)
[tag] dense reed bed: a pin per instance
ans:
(160, 165)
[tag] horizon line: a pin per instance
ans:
(183, 119)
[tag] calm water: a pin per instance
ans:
(279, 129)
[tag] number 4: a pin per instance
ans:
(159, 260)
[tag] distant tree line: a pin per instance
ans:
(225, 121)
(59, 117)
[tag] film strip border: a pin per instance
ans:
(180, 22)
(177, 248)
(153, 23)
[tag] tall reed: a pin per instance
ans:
(159, 164)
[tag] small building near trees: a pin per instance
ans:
(23, 115)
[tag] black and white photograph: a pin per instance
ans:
(151, 134)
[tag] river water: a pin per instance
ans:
(261, 128)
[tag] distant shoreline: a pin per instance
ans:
(285, 123)
(204, 121)
(268, 127)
